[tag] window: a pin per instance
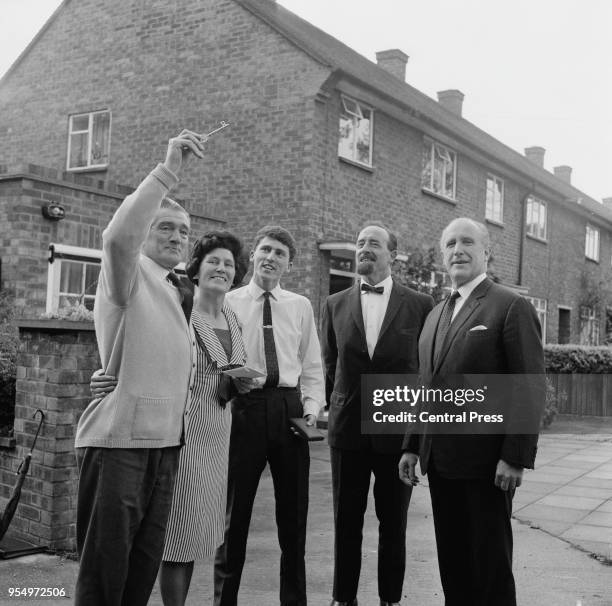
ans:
(540, 307)
(355, 141)
(494, 209)
(89, 140)
(72, 278)
(439, 169)
(589, 326)
(591, 245)
(535, 219)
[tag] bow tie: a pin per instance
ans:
(365, 287)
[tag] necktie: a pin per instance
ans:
(184, 292)
(269, 346)
(365, 287)
(445, 322)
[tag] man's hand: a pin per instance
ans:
(508, 477)
(310, 420)
(243, 385)
(100, 384)
(180, 149)
(407, 469)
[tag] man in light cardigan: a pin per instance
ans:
(127, 443)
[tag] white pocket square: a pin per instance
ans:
(479, 327)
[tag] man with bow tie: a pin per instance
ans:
(482, 329)
(372, 327)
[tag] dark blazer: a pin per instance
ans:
(511, 344)
(346, 358)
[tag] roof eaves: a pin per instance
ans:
(264, 10)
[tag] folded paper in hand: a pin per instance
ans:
(241, 372)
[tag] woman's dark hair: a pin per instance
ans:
(210, 241)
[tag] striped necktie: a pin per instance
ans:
(184, 292)
(445, 322)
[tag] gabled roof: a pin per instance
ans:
(329, 51)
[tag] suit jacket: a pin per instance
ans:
(346, 358)
(511, 344)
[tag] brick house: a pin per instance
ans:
(321, 140)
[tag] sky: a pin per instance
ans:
(533, 72)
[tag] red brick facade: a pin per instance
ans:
(162, 66)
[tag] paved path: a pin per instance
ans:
(568, 498)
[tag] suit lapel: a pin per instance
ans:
(395, 302)
(429, 333)
(355, 307)
(464, 314)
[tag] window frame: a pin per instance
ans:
(541, 307)
(592, 252)
(431, 146)
(59, 254)
(356, 115)
(89, 131)
(589, 321)
(531, 201)
(494, 179)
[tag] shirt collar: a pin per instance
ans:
(153, 267)
(466, 290)
(257, 292)
(387, 284)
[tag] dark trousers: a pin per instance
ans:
(474, 541)
(260, 435)
(351, 472)
(123, 504)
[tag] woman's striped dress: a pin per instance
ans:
(197, 518)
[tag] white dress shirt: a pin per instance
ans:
(295, 337)
(374, 308)
(465, 291)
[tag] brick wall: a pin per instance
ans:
(55, 363)
(89, 204)
(162, 66)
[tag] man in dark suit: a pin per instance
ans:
(372, 327)
(472, 478)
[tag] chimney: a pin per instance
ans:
(394, 61)
(536, 155)
(607, 202)
(564, 173)
(452, 100)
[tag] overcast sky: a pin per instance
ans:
(534, 72)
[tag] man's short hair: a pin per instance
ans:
(481, 227)
(210, 241)
(279, 233)
(392, 239)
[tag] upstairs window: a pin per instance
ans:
(591, 245)
(439, 169)
(89, 140)
(535, 219)
(355, 139)
(494, 208)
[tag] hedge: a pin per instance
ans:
(581, 359)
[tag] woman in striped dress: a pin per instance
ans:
(197, 517)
